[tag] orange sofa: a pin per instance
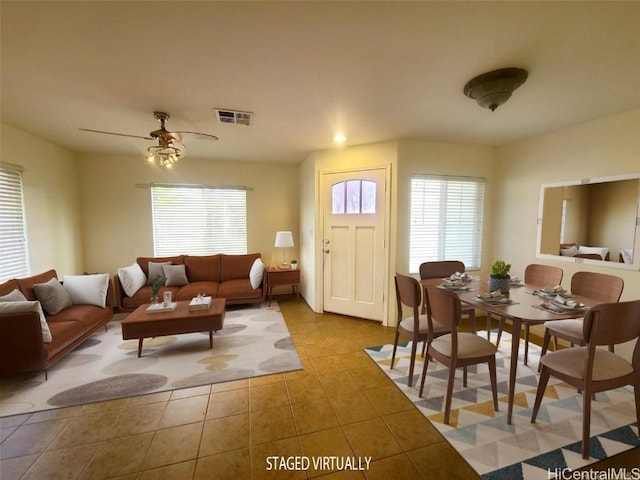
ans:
(22, 347)
(218, 276)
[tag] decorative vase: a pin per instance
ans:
(294, 266)
(500, 282)
(154, 298)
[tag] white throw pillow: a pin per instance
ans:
(256, 273)
(87, 289)
(132, 279)
(14, 296)
(602, 251)
(569, 252)
(176, 275)
(29, 306)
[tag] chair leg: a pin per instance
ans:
(636, 391)
(472, 321)
(395, 346)
(414, 348)
(424, 374)
(586, 423)
(447, 407)
(542, 385)
(526, 343)
(494, 382)
(488, 326)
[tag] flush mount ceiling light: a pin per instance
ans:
(492, 89)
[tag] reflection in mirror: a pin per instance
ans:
(595, 220)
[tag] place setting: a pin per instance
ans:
(457, 282)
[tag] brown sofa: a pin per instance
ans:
(218, 276)
(22, 348)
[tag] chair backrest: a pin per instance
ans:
(440, 269)
(543, 275)
(599, 286)
(408, 293)
(612, 324)
(444, 307)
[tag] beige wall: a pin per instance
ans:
(52, 201)
(117, 225)
(600, 148)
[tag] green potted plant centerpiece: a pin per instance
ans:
(294, 264)
(499, 278)
(155, 288)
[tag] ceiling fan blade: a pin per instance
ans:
(113, 133)
(199, 135)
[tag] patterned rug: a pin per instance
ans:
(255, 341)
(522, 450)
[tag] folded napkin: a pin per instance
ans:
(490, 296)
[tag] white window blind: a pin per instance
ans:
(198, 220)
(446, 220)
(14, 259)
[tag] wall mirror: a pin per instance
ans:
(593, 221)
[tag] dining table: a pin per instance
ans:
(525, 307)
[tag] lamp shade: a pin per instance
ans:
(284, 239)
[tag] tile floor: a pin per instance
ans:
(340, 405)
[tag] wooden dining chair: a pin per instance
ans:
(539, 275)
(455, 349)
(415, 326)
(442, 269)
(591, 369)
(601, 288)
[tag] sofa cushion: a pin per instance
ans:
(27, 283)
(64, 333)
(144, 261)
(52, 296)
(13, 296)
(87, 289)
(234, 267)
(9, 286)
(208, 289)
(238, 290)
(176, 275)
(132, 278)
(256, 273)
(155, 270)
(203, 268)
(89, 316)
(25, 307)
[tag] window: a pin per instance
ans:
(446, 220)
(353, 197)
(198, 220)
(14, 258)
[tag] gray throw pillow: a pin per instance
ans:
(52, 296)
(13, 296)
(176, 275)
(155, 270)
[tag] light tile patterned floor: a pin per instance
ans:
(339, 405)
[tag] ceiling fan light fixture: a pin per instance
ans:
(165, 154)
(494, 88)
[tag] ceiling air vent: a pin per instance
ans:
(234, 116)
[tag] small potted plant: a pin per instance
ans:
(499, 278)
(294, 264)
(155, 288)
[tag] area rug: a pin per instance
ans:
(255, 341)
(522, 450)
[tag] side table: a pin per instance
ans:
(277, 277)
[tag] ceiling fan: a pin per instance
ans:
(169, 148)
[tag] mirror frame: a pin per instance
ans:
(635, 265)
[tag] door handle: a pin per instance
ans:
(326, 250)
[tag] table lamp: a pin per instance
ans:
(284, 240)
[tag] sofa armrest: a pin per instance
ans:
(119, 292)
(21, 345)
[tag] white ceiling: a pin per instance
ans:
(376, 71)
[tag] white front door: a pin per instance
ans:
(354, 242)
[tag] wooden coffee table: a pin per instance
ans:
(141, 324)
